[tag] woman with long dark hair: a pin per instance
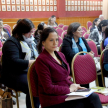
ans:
(74, 43)
(16, 59)
(53, 81)
(95, 24)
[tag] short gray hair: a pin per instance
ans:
(101, 16)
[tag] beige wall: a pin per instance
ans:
(105, 9)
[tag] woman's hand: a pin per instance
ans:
(75, 87)
(92, 53)
(30, 62)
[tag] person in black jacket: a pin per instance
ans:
(73, 42)
(14, 64)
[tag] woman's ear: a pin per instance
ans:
(43, 43)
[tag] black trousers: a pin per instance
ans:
(92, 101)
(19, 82)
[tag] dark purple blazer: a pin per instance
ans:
(53, 79)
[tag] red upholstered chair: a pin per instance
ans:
(65, 27)
(32, 83)
(84, 72)
(59, 31)
(84, 28)
(14, 26)
(55, 27)
(89, 23)
(101, 64)
(60, 41)
(90, 28)
(86, 35)
(60, 25)
(63, 34)
(83, 32)
(93, 47)
(7, 27)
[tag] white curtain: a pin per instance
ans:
(105, 9)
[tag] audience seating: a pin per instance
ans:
(65, 27)
(59, 31)
(55, 27)
(84, 28)
(90, 28)
(101, 64)
(86, 35)
(7, 27)
(60, 41)
(84, 72)
(60, 25)
(83, 32)
(32, 83)
(16, 91)
(14, 26)
(63, 34)
(101, 46)
(89, 23)
(93, 47)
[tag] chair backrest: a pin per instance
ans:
(7, 27)
(90, 28)
(60, 25)
(102, 66)
(59, 31)
(86, 35)
(83, 69)
(65, 27)
(83, 32)
(32, 83)
(93, 47)
(63, 34)
(55, 27)
(84, 28)
(101, 46)
(89, 23)
(60, 41)
(14, 26)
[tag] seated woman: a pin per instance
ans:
(97, 34)
(53, 71)
(95, 24)
(51, 22)
(74, 42)
(39, 30)
(16, 59)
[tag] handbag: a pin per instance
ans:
(5, 99)
(97, 63)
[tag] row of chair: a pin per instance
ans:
(84, 72)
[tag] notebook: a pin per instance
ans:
(78, 95)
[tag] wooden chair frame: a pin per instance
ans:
(29, 85)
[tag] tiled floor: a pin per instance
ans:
(22, 97)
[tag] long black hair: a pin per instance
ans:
(44, 36)
(95, 20)
(23, 26)
(72, 28)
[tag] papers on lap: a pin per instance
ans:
(78, 95)
(101, 90)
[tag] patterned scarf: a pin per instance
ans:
(75, 47)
